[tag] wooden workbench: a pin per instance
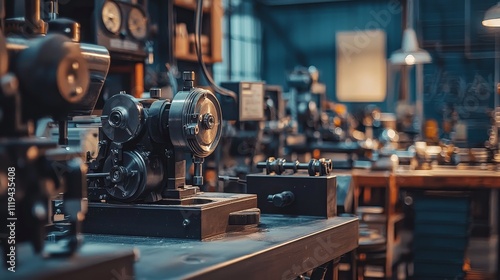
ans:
(281, 247)
(447, 178)
(442, 178)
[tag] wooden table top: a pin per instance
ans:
(448, 178)
(435, 178)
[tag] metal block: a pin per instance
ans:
(199, 217)
(312, 195)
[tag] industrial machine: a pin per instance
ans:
(35, 171)
(306, 97)
(286, 189)
(244, 118)
(255, 126)
(43, 190)
(316, 125)
(139, 174)
(276, 124)
(138, 182)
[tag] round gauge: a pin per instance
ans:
(137, 24)
(111, 17)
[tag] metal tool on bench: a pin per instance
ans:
(34, 170)
(138, 177)
(296, 192)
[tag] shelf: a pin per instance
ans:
(213, 28)
(190, 5)
(194, 58)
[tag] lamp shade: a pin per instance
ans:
(410, 53)
(492, 16)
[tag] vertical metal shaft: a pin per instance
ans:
(419, 102)
(198, 171)
(63, 132)
(32, 15)
(2, 14)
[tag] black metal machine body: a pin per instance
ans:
(43, 74)
(244, 121)
(305, 100)
(276, 124)
(284, 189)
(141, 167)
(34, 170)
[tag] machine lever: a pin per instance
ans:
(281, 199)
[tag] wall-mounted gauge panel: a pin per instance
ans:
(111, 17)
(137, 24)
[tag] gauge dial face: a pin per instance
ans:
(111, 17)
(137, 24)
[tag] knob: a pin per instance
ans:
(188, 77)
(155, 93)
(281, 199)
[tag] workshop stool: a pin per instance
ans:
(371, 253)
(372, 248)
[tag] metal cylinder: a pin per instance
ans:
(315, 167)
(52, 72)
(33, 20)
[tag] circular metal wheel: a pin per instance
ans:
(195, 121)
(123, 118)
(4, 58)
(53, 76)
(134, 177)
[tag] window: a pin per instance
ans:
(242, 43)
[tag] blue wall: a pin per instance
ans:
(305, 35)
(460, 79)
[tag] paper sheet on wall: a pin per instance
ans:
(361, 66)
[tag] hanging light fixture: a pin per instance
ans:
(492, 16)
(410, 53)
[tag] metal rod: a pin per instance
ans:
(2, 15)
(54, 10)
(198, 171)
(32, 15)
(63, 132)
(497, 70)
(97, 175)
(409, 17)
(229, 16)
(419, 103)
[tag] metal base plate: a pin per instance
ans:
(201, 216)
